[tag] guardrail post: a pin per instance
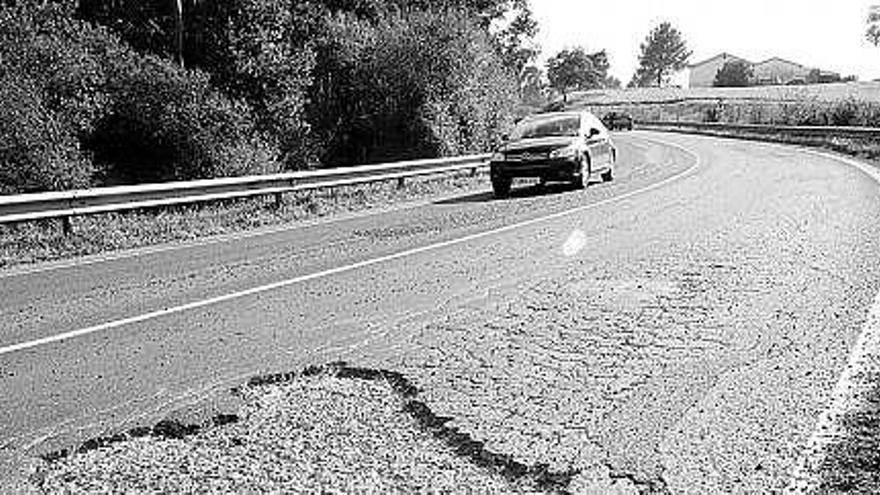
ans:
(474, 172)
(400, 182)
(279, 200)
(66, 225)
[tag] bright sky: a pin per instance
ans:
(829, 34)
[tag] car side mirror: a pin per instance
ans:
(594, 132)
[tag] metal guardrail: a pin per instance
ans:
(800, 131)
(65, 204)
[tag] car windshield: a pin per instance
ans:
(566, 125)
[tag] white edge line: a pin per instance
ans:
(802, 479)
(285, 283)
(135, 252)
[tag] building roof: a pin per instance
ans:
(779, 59)
(720, 55)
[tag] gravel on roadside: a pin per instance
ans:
(312, 434)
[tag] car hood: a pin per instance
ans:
(539, 144)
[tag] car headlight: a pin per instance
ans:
(497, 157)
(567, 152)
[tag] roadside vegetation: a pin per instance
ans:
(735, 98)
(101, 92)
(574, 70)
(109, 92)
(853, 104)
(663, 53)
(818, 100)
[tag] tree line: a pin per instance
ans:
(102, 92)
(663, 52)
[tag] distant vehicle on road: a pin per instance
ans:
(554, 106)
(561, 146)
(618, 120)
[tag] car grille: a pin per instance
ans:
(527, 156)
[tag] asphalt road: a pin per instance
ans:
(677, 329)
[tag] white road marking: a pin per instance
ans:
(218, 239)
(844, 397)
(845, 392)
(334, 271)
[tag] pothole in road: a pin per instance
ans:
(334, 427)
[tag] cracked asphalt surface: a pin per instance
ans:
(683, 339)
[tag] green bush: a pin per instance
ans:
(145, 25)
(261, 52)
(50, 79)
(427, 83)
(269, 84)
(86, 109)
(38, 150)
(166, 123)
(845, 113)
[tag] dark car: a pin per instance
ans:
(618, 120)
(563, 146)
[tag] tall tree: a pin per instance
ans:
(612, 82)
(734, 74)
(601, 65)
(572, 69)
(873, 33)
(515, 40)
(663, 52)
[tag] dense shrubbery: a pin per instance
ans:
(267, 84)
(83, 108)
(849, 112)
(38, 150)
(409, 86)
(164, 123)
(261, 51)
(845, 112)
(47, 85)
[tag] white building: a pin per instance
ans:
(702, 74)
(773, 71)
(777, 71)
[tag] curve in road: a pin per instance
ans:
(682, 338)
(59, 337)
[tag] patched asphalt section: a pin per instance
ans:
(333, 427)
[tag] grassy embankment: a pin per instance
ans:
(847, 103)
(844, 104)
